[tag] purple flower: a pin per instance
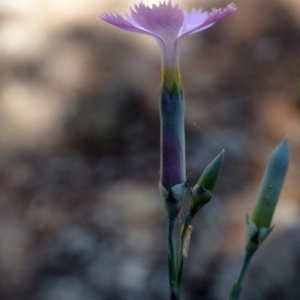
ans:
(168, 24)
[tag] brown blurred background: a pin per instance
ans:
(80, 213)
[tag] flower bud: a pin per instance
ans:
(271, 186)
(202, 191)
(210, 175)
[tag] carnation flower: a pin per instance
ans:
(168, 25)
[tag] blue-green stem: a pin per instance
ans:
(172, 258)
(237, 286)
(181, 257)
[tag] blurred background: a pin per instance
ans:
(80, 213)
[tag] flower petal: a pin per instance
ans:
(193, 19)
(164, 20)
(118, 21)
(198, 20)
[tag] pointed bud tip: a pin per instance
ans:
(211, 173)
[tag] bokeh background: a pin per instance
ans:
(80, 213)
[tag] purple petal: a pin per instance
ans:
(164, 20)
(220, 13)
(118, 21)
(198, 20)
(167, 24)
(195, 17)
(192, 20)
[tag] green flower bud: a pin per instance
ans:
(271, 186)
(202, 191)
(210, 175)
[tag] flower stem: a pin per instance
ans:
(181, 256)
(237, 286)
(172, 258)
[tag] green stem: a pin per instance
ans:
(181, 257)
(237, 286)
(172, 257)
